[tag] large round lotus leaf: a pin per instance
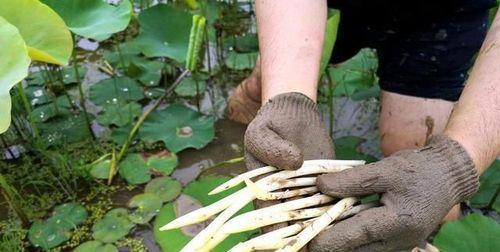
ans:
(241, 61)
(48, 234)
(134, 169)
(45, 33)
(101, 169)
(179, 128)
(95, 246)
(94, 19)
(119, 114)
(165, 187)
(174, 240)
(164, 32)
(113, 226)
(489, 184)
(14, 65)
(188, 87)
(70, 215)
(115, 90)
(146, 205)
(472, 233)
(65, 129)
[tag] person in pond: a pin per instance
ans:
(438, 134)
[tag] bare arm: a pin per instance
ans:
(475, 122)
(291, 35)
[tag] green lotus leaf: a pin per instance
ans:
(164, 32)
(137, 168)
(70, 215)
(241, 61)
(146, 206)
(347, 148)
(174, 240)
(94, 19)
(45, 33)
(119, 114)
(45, 112)
(13, 67)
(134, 169)
(148, 72)
(472, 233)
(165, 187)
(48, 234)
(247, 43)
(115, 90)
(179, 128)
(187, 87)
(64, 129)
(95, 246)
(489, 184)
(113, 226)
(332, 27)
(66, 74)
(154, 93)
(37, 95)
(120, 135)
(101, 169)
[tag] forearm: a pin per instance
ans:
(475, 122)
(291, 35)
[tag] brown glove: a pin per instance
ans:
(418, 188)
(286, 130)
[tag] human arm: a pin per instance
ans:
(418, 187)
(288, 129)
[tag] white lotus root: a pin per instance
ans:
(311, 214)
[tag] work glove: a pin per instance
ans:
(286, 131)
(418, 188)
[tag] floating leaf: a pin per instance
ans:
(37, 95)
(113, 226)
(95, 246)
(247, 43)
(94, 19)
(347, 148)
(164, 32)
(174, 240)
(472, 233)
(489, 184)
(179, 128)
(101, 169)
(114, 90)
(45, 33)
(241, 61)
(45, 112)
(119, 114)
(64, 129)
(187, 87)
(70, 215)
(165, 187)
(146, 205)
(67, 75)
(47, 235)
(13, 67)
(137, 168)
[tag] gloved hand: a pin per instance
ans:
(286, 131)
(418, 188)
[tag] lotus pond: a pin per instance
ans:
(113, 123)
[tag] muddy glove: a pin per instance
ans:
(418, 188)
(286, 131)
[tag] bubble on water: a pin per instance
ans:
(125, 89)
(38, 93)
(115, 101)
(149, 93)
(151, 82)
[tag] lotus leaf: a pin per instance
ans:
(95, 246)
(45, 112)
(48, 234)
(179, 128)
(101, 169)
(165, 187)
(490, 182)
(67, 74)
(64, 129)
(137, 168)
(241, 61)
(45, 33)
(37, 95)
(347, 148)
(115, 90)
(94, 19)
(70, 215)
(472, 233)
(332, 26)
(113, 226)
(187, 87)
(164, 32)
(146, 205)
(13, 67)
(119, 114)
